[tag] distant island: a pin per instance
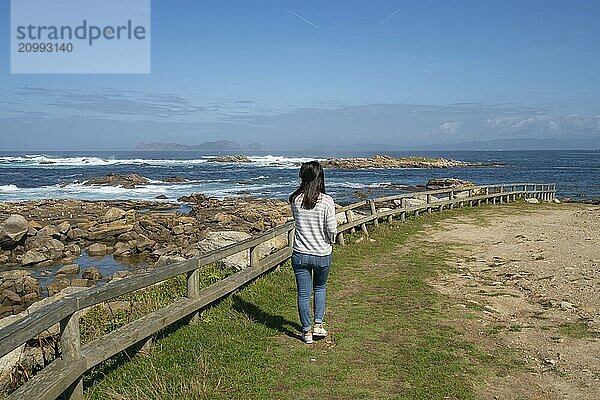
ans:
(219, 145)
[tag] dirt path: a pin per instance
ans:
(527, 282)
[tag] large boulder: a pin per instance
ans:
(175, 179)
(69, 269)
(97, 249)
(128, 181)
(216, 240)
(197, 198)
(123, 249)
(63, 228)
(114, 214)
(57, 286)
(12, 230)
(443, 183)
(165, 260)
(49, 231)
(272, 245)
(41, 249)
(34, 257)
(109, 230)
(91, 273)
(18, 290)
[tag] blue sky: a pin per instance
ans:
(411, 73)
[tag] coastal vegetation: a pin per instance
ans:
(404, 277)
(388, 337)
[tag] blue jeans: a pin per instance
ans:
(311, 274)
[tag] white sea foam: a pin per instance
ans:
(9, 188)
(215, 188)
(356, 185)
(41, 160)
(50, 162)
(279, 161)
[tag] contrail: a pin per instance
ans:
(300, 17)
(383, 21)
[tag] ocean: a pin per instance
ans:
(34, 176)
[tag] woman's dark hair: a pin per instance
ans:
(312, 185)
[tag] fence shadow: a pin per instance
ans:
(276, 322)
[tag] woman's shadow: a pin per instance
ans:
(276, 322)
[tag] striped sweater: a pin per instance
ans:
(315, 229)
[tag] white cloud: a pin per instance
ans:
(543, 124)
(448, 128)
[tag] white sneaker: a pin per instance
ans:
(319, 331)
(307, 337)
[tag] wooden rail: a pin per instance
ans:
(64, 376)
(425, 201)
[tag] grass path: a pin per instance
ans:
(388, 340)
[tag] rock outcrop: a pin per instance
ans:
(12, 230)
(443, 183)
(128, 181)
(18, 290)
(216, 240)
(246, 214)
(239, 158)
(55, 232)
(392, 162)
(175, 179)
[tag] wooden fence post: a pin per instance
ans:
(451, 198)
(340, 239)
(193, 291)
(403, 206)
(291, 234)
(364, 229)
(71, 349)
(428, 202)
(254, 260)
(373, 211)
(350, 218)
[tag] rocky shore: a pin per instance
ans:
(392, 162)
(54, 233)
(49, 237)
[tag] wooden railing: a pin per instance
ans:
(64, 376)
(426, 201)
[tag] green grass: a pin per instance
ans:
(388, 336)
(577, 330)
(109, 316)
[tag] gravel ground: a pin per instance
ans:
(526, 282)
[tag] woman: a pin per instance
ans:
(316, 228)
